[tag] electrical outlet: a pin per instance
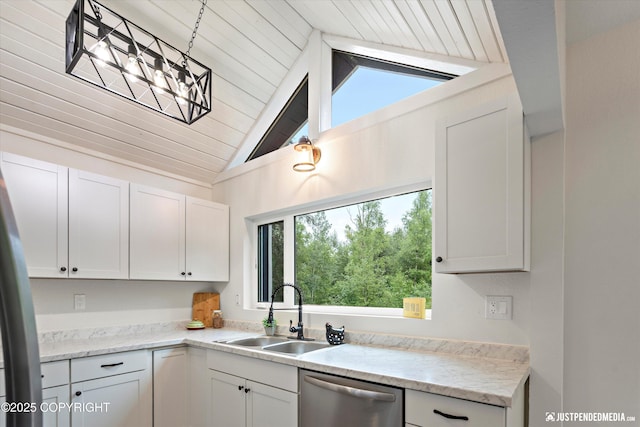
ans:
(79, 302)
(499, 307)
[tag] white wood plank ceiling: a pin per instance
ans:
(249, 45)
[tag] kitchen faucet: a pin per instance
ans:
(293, 329)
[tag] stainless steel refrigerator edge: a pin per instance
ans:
(17, 325)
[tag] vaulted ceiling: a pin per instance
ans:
(250, 45)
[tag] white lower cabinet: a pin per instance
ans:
(55, 394)
(55, 402)
(113, 390)
(249, 392)
(433, 410)
(170, 387)
(198, 395)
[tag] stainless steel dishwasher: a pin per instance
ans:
(331, 401)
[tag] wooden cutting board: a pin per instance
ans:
(203, 305)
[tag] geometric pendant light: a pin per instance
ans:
(107, 50)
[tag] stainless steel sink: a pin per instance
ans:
(296, 347)
(260, 341)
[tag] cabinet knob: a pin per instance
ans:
(189, 274)
(183, 273)
(439, 259)
(240, 387)
(247, 390)
(74, 269)
(78, 393)
(63, 269)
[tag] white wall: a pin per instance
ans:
(108, 302)
(365, 158)
(602, 245)
(547, 268)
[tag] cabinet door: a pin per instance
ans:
(270, 406)
(55, 415)
(157, 234)
(170, 388)
(117, 401)
(98, 226)
(199, 388)
(227, 405)
(479, 196)
(207, 244)
(38, 193)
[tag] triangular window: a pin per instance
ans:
(363, 85)
(360, 85)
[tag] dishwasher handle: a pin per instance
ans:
(351, 391)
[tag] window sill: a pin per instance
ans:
(377, 312)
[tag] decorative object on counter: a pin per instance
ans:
(203, 305)
(113, 53)
(270, 325)
(195, 324)
(218, 321)
(335, 336)
(308, 155)
(414, 307)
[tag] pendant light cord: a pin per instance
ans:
(195, 28)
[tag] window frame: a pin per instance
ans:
(315, 61)
(288, 217)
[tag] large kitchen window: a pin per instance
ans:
(368, 254)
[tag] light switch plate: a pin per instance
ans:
(499, 307)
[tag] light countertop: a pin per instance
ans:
(482, 379)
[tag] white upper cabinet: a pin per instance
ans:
(38, 192)
(157, 234)
(98, 226)
(175, 237)
(482, 190)
(207, 240)
(71, 223)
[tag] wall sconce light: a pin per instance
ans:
(308, 155)
(107, 50)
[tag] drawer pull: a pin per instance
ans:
(451, 417)
(111, 365)
(78, 393)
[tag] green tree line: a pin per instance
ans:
(371, 267)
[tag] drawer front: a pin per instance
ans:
(89, 368)
(2, 392)
(421, 407)
(261, 371)
(55, 373)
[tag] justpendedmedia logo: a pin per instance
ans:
(588, 417)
